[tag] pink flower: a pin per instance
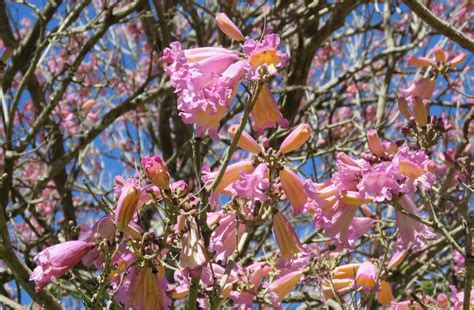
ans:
(264, 54)
(228, 27)
(423, 88)
(252, 185)
(246, 141)
(156, 170)
(204, 92)
(410, 231)
(126, 205)
(232, 173)
(56, 260)
(143, 289)
(194, 252)
(226, 236)
(294, 189)
(375, 144)
(366, 276)
(201, 53)
(286, 237)
(265, 113)
(285, 284)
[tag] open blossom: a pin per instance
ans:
(143, 289)
(264, 55)
(225, 238)
(252, 185)
(284, 284)
(56, 260)
(204, 91)
(423, 88)
(366, 276)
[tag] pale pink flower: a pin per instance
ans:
(265, 113)
(293, 187)
(366, 276)
(296, 138)
(156, 170)
(56, 260)
(264, 55)
(286, 237)
(252, 185)
(225, 238)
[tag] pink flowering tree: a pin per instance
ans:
(236, 154)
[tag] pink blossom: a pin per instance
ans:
(143, 289)
(203, 92)
(56, 260)
(265, 54)
(265, 113)
(410, 230)
(156, 170)
(252, 185)
(225, 237)
(366, 276)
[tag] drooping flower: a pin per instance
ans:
(225, 238)
(294, 189)
(348, 271)
(411, 231)
(228, 27)
(156, 170)
(384, 294)
(341, 287)
(286, 237)
(296, 138)
(284, 284)
(56, 260)
(423, 88)
(232, 173)
(366, 276)
(194, 251)
(265, 113)
(143, 289)
(126, 205)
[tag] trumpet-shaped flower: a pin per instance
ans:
(56, 260)
(126, 205)
(366, 276)
(204, 92)
(225, 238)
(265, 113)
(286, 237)
(252, 185)
(143, 289)
(294, 189)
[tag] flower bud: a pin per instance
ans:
(375, 144)
(228, 27)
(348, 271)
(88, 104)
(156, 171)
(420, 61)
(126, 206)
(403, 107)
(397, 259)
(341, 287)
(294, 189)
(442, 301)
(231, 174)
(296, 138)
(420, 111)
(286, 237)
(457, 60)
(384, 295)
(246, 141)
(285, 284)
(440, 54)
(366, 276)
